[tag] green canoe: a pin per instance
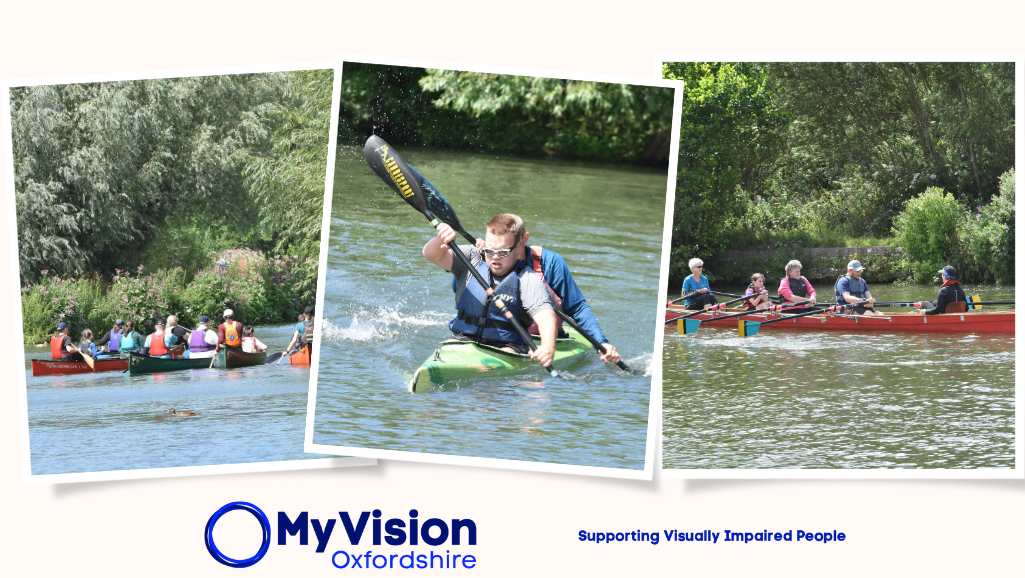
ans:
(144, 365)
(460, 359)
(228, 358)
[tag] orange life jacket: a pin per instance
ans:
(232, 337)
(56, 351)
(156, 344)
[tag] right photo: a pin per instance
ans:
(841, 284)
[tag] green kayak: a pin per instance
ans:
(459, 359)
(144, 365)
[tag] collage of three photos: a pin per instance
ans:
(748, 269)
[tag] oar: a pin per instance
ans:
(687, 296)
(693, 325)
(724, 294)
(748, 328)
(273, 357)
(394, 171)
(440, 206)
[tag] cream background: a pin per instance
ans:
(527, 521)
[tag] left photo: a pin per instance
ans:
(168, 235)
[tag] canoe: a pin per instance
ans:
(145, 365)
(228, 358)
(973, 322)
(58, 367)
(300, 358)
(459, 359)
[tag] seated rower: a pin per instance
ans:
(796, 288)
(86, 345)
(175, 336)
(111, 340)
(852, 290)
(131, 340)
(758, 295)
(61, 347)
(229, 333)
(251, 343)
(302, 333)
(951, 298)
(202, 340)
(155, 344)
(697, 283)
(521, 289)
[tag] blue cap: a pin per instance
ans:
(204, 318)
(856, 265)
(948, 272)
(62, 326)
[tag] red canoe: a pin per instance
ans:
(57, 367)
(300, 358)
(989, 322)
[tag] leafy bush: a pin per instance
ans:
(987, 237)
(53, 299)
(927, 230)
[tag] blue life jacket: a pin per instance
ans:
(477, 316)
(114, 343)
(856, 287)
(130, 341)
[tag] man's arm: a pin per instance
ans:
(438, 249)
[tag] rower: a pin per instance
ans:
(229, 333)
(131, 340)
(86, 345)
(112, 338)
(202, 340)
(853, 291)
(951, 298)
(175, 336)
(796, 288)
(155, 344)
(758, 295)
(61, 347)
(697, 283)
(250, 342)
(302, 333)
(520, 288)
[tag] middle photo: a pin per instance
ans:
(491, 291)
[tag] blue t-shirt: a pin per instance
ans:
(560, 279)
(856, 287)
(690, 286)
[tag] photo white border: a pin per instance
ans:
(655, 393)
(1018, 472)
(21, 380)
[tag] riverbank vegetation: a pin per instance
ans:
(917, 158)
(495, 113)
(208, 190)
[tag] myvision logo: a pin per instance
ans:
(394, 532)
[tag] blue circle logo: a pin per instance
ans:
(264, 544)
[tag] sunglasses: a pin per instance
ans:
(497, 253)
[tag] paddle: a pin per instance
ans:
(748, 328)
(724, 294)
(88, 359)
(393, 170)
(274, 357)
(692, 325)
(440, 206)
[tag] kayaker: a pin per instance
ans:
(697, 284)
(795, 288)
(155, 345)
(61, 346)
(251, 343)
(950, 299)
(86, 345)
(131, 340)
(852, 290)
(758, 295)
(522, 289)
(229, 333)
(202, 340)
(564, 290)
(111, 340)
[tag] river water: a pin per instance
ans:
(112, 421)
(803, 399)
(386, 309)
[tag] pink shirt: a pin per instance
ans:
(788, 295)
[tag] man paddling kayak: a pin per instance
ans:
(852, 290)
(520, 288)
(697, 287)
(950, 299)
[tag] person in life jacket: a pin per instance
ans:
(86, 345)
(302, 333)
(155, 346)
(131, 340)
(757, 294)
(111, 340)
(796, 288)
(950, 299)
(229, 333)
(203, 340)
(61, 346)
(519, 287)
(852, 290)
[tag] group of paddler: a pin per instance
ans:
(171, 340)
(796, 294)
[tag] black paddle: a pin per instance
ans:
(440, 206)
(273, 357)
(384, 161)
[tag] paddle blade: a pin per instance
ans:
(687, 326)
(436, 202)
(975, 302)
(748, 328)
(272, 358)
(387, 164)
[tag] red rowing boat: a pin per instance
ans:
(58, 367)
(988, 322)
